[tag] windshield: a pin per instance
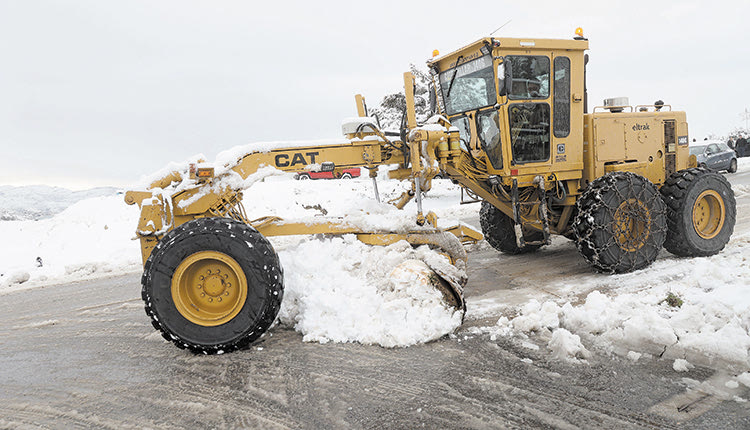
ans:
(697, 150)
(469, 86)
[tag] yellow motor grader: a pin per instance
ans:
(511, 125)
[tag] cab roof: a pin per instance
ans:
(446, 61)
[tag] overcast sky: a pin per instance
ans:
(96, 92)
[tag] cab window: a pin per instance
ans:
(469, 86)
(561, 97)
(529, 132)
(530, 76)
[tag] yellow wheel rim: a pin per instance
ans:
(632, 225)
(209, 288)
(708, 214)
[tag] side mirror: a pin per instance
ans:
(433, 100)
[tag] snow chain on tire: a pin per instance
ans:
(620, 224)
(212, 285)
(691, 195)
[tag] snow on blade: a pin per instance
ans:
(339, 290)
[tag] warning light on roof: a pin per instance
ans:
(204, 172)
(579, 32)
(435, 53)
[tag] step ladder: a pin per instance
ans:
(520, 223)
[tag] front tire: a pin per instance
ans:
(346, 176)
(701, 212)
(212, 285)
(499, 231)
(621, 223)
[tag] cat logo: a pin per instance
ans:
(298, 158)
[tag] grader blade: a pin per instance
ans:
(449, 279)
(418, 272)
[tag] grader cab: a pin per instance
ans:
(511, 125)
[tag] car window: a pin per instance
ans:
(697, 150)
(713, 148)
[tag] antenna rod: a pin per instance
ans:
(498, 29)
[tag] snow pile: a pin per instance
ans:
(682, 365)
(90, 238)
(677, 308)
(340, 290)
(567, 346)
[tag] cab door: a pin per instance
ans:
(529, 112)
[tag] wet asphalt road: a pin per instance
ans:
(84, 355)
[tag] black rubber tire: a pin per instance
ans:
(256, 257)
(732, 166)
(680, 193)
(602, 241)
(303, 176)
(499, 232)
(346, 176)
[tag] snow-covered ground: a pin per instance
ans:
(338, 289)
(35, 202)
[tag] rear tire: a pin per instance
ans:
(212, 285)
(732, 166)
(499, 231)
(701, 212)
(621, 223)
(346, 176)
(303, 176)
